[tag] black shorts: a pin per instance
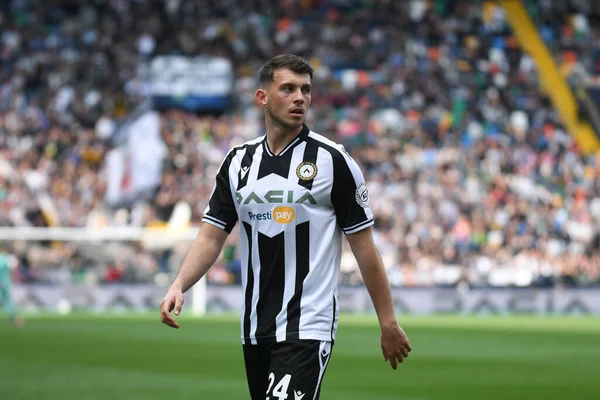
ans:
(291, 370)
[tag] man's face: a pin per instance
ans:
(288, 98)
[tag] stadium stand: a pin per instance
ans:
(478, 182)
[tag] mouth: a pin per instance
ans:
(297, 112)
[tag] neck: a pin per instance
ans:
(278, 136)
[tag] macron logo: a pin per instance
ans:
(298, 395)
(244, 171)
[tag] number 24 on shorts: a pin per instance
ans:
(280, 391)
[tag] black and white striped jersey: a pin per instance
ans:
(292, 209)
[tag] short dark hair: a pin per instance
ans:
(292, 62)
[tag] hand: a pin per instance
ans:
(394, 344)
(172, 302)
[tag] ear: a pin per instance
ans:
(261, 97)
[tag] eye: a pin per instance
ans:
(306, 89)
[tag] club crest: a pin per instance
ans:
(306, 171)
(362, 195)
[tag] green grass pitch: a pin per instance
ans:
(136, 357)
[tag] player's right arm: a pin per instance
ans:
(219, 218)
(200, 257)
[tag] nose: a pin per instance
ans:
(299, 96)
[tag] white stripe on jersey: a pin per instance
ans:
(359, 227)
(214, 221)
(256, 286)
(290, 281)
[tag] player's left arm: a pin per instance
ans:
(394, 342)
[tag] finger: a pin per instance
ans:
(168, 320)
(400, 358)
(408, 346)
(166, 305)
(165, 309)
(171, 322)
(404, 352)
(393, 363)
(178, 304)
(165, 317)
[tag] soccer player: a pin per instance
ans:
(294, 193)
(5, 292)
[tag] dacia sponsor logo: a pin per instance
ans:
(276, 197)
(281, 215)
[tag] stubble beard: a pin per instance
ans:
(283, 123)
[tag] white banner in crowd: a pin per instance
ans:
(118, 176)
(136, 166)
(184, 76)
(351, 299)
(146, 151)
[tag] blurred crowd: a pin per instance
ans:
(477, 182)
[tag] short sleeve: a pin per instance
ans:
(221, 211)
(349, 195)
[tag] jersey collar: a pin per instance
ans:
(297, 140)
